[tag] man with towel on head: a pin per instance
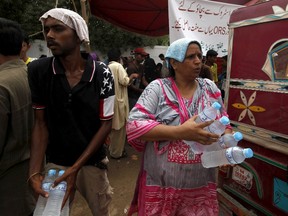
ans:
(73, 101)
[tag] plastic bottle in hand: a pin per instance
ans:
(66, 209)
(225, 141)
(209, 113)
(55, 199)
(218, 126)
(231, 140)
(232, 155)
(46, 184)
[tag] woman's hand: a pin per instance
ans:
(191, 130)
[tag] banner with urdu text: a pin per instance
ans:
(204, 21)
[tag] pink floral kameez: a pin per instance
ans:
(172, 180)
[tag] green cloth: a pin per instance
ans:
(16, 119)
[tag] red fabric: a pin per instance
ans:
(166, 201)
(146, 17)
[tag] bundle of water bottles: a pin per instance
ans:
(51, 206)
(225, 150)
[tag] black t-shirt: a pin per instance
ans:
(73, 115)
(150, 71)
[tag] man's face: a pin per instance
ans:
(24, 49)
(212, 59)
(139, 58)
(60, 38)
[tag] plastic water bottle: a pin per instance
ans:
(218, 126)
(231, 140)
(225, 141)
(66, 209)
(55, 199)
(46, 184)
(232, 155)
(209, 113)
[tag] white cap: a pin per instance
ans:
(71, 19)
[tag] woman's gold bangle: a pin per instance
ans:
(36, 173)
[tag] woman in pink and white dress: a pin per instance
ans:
(172, 180)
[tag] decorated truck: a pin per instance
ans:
(257, 103)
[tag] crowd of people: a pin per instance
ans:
(71, 110)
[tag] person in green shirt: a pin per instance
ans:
(211, 58)
(25, 47)
(16, 120)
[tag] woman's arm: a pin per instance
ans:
(190, 130)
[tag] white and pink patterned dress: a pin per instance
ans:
(172, 180)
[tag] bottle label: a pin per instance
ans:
(221, 142)
(203, 117)
(60, 186)
(213, 128)
(229, 156)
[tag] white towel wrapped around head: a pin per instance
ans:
(71, 19)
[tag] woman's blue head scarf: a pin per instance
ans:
(177, 50)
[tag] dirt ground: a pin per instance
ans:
(122, 174)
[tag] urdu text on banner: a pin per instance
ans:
(204, 21)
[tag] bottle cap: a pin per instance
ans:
(224, 120)
(216, 105)
(238, 136)
(51, 172)
(61, 172)
(248, 153)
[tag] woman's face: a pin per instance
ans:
(191, 66)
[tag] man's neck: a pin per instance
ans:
(136, 62)
(25, 58)
(209, 63)
(73, 63)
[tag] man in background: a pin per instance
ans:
(211, 58)
(222, 77)
(15, 124)
(121, 104)
(25, 47)
(164, 69)
(150, 72)
(138, 85)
